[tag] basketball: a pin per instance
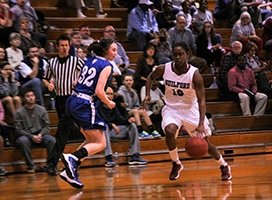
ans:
(196, 147)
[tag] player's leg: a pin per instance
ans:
(190, 125)
(224, 167)
(171, 125)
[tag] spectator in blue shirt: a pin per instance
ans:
(142, 24)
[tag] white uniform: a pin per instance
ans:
(181, 101)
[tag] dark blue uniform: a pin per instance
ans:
(83, 105)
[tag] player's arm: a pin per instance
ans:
(100, 87)
(157, 73)
(200, 93)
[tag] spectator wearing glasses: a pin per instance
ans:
(244, 32)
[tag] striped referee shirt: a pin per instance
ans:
(65, 72)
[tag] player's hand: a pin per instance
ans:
(200, 130)
(111, 104)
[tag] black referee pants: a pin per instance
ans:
(64, 126)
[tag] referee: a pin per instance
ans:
(61, 76)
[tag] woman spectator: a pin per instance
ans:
(259, 68)
(244, 31)
(3, 54)
(209, 44)
(8, 89)
(145, 65)
(5, 23)
(27, 37)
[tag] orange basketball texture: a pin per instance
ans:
(196, 147)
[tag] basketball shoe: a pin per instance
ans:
(71, 165)
(75, 182)
(175, 172)
(225, 173)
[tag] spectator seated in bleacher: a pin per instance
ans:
(134, 109)
(142, 24)
(3, 55)
(163, 47)
(14, 54)
(76, 41)
(244, 32)
(229, 10)
(6, 130)
(31, 72)
(180, 33)
(166, 18)
(9, 90)
(5, 23)
(156, 104)
(267, 37)
(241, 81)
(201, 15)
(81, 52)
(3, 172)
(32, 128)
(209, 45)
(252, 7)
(120, 127)
(259, 68)
(186, 11)
(145, 64)
(27, 37)
(25, 10)
(85, 33)
(228, 61)
(266, 9)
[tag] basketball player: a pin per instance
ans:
(83, 104)
(185, 106)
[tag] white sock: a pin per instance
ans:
(174, 156)
(221, 161)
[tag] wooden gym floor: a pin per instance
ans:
(252, 179)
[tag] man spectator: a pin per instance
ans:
(76, 42)
(32, 126)
(61, 76)
(228, 61)
(31, 72)
(120, 127)
(142, 24)
(180, 33)
(85, 33)
(241, 80)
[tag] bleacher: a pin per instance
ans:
(235, 134)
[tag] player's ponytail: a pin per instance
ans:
(100, 47)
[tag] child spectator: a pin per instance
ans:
(133, 107)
